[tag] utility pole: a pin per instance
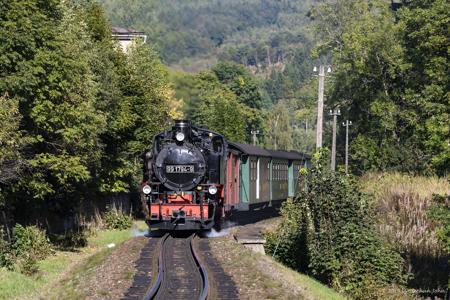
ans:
(254, 133)
(346, 124)
(319, 129)
(335, 113)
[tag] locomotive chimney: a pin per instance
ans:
(183, 126)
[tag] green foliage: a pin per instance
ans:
(83, 109)
(262, 48)
(440, 212)
(279, 127)
(11, 142)
(327, 232)
(389, 79)
(288, 243)
(217, 108)
(241, 82)
(72, 239)
(28, 245)
(115, 219)
(236, 30)
(30, 240)
(6, 256)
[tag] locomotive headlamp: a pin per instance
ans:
(146, 189)
(179, 136)
(212, 190)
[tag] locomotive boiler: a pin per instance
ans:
(184, 176)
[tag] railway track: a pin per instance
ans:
(180, 273)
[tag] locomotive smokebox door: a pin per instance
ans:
(180, 167)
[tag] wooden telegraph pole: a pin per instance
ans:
(347, 123)
(254, 133)
(319, 129)
(335, 113)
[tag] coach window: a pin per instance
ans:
(252, 171)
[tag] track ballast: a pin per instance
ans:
(180, 273)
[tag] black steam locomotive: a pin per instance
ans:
(184, 175)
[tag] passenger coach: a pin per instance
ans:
(257, 177)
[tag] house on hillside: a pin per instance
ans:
(126, 36)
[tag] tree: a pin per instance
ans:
(87, 110)
(217, 108)
(11, 142)
(397, 105)
(425, 37)
(280, 135)
(241, 82)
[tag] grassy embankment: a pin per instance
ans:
(14, 285)
(402, 205)
(259, 276)
(402, 202)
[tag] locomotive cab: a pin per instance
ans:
(183, 178)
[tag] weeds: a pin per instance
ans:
(116, 219)
(401, 204)
(28, 245)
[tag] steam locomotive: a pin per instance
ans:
(193, 178)
(184, 178)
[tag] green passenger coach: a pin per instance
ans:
(266, 177)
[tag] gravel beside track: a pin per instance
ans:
(146, 266)
(222, 285)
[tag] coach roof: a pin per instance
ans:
(250, 149)
(257, 151)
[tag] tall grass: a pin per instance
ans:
(401, 210)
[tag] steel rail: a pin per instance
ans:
(201, 269)
(153, 291)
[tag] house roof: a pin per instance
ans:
(126, 31)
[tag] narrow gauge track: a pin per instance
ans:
(180, 273)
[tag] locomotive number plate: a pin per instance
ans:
(180, 169)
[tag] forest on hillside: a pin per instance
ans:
(271, 39)
(389, 70)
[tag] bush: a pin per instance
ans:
(6, 257)
(440, 212)
(28, 245)
(327, 232)
(115, 219)
(75, 238)
(30, 240)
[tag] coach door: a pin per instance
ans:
(232, 192)
(235, 190)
